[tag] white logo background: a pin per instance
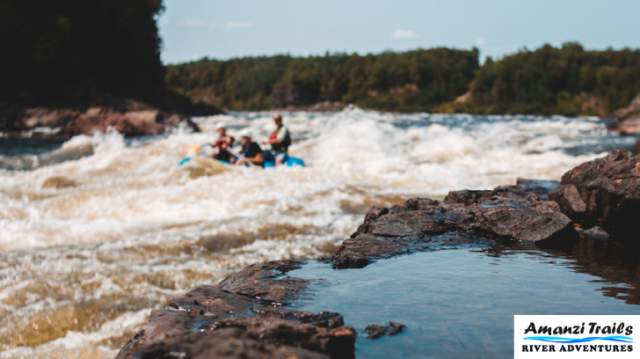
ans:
(522, 322)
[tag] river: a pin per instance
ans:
(97, 231)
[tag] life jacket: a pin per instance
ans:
(229, 139)
(283, 146)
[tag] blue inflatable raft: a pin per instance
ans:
(290, 161)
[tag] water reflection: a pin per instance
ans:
(464, 299)
(616, 264)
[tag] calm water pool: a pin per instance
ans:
(458, 303)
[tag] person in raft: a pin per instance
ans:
(279, 140)
(251, 152)
(223, 136)
(222, 145)
(223, 154)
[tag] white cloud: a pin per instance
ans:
(238, 25)
(481, 41)
(404, 34)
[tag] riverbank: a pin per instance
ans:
(627, 119)
(543, 217)
(129, 117)
(567, 80)
(133, 118)
(102, 229)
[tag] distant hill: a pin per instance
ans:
(415, 80)
(567, 80)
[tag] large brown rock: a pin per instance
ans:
(245, 316)
(130, 123)
(628, 118)
(375, 331)
(131, 118)
(604, 192)
(262, 281)
(504, 214)
(629, 127)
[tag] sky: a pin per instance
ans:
(223, 29)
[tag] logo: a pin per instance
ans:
(576, 336)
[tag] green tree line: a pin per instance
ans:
(566, 80)
(410, 81)
(65, 50)
(82, 51)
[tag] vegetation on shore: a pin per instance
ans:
(73, 49)
(78, 54)
(74, 53)
(415, 80)
(568, 80)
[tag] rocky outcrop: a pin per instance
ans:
(604, 192)
(375, 331)
(263, 281)
(129, 123)
(131, 118)
(628, 118)
(636, 148)
(503, 214)
(245, 316)
(542, 188)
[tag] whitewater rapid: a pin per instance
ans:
(90, 242)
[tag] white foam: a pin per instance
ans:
(79, 344)
(93, 228)
(124, 191)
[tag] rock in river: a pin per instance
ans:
(128, 117)
(245, 316)
(375, 331)
(604, 192)
(248, 315)
(503, 214)
(628, 118)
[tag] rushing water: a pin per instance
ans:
(95, 233)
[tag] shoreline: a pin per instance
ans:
(128, 116)
(139, 119)
(531, 214)
(165, 231)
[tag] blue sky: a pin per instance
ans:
(222, 29)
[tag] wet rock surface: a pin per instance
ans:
(628, 118)
(247, 314)
(542, 188)
(264, 282)
(604, 192)
(375, 331)
(243, 317)
(504, 214)
(129, 123)
(128, 117)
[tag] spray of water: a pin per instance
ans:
(108, 228)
